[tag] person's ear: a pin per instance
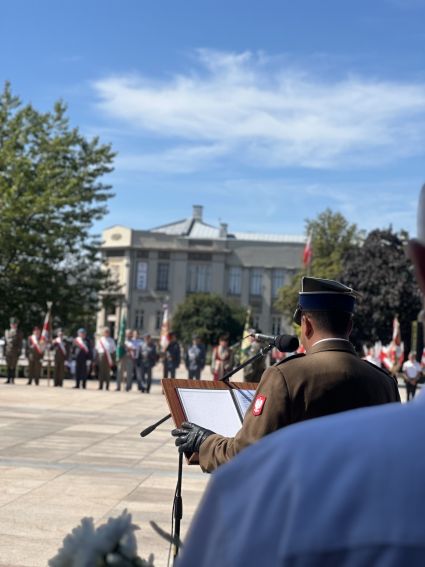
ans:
(308, 327)
(416, 252)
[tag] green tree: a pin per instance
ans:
(209, 316)
(381, 271)
(50, 195)
(332, 237)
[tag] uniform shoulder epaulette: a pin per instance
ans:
(298, 355)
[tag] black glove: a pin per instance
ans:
(190, 437)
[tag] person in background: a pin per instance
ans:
(106, 348)
(61, 348)
(82, 354)
(135, 350)
(148, 361)
(253, 371)
(172, 357)
(125, 364)
(35, 352)
(195, 358)
(13, 338)
(222, 360)
(412, 372)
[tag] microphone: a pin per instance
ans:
(283, 343)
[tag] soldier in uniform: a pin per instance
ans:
(252, 372)
(13, 347)
(60, 346)
(35, 353)
(329, 378)
(82, 354)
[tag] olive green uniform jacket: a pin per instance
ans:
(329, 379)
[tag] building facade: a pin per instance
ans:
(163, 265)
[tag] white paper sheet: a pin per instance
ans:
(244, 399)
(213, 409)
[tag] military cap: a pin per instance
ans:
(13, 320)
(324, 295)
(81, 330)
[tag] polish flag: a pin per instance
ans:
(308, 251)
(396, 331)
(46, 332)
(165, 329)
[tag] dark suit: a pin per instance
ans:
(81, 356)
(329, 379)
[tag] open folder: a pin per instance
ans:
(215, 405)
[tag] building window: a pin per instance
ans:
(276, 325)
(256, 322)
(142, 275)
(199, 278)
(162, 277)
(235, 274)
(139, 319)
(158, 320)
(278, 281)
(256, 281)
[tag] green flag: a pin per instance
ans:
(121, 338)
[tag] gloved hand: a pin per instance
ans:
(190, 437)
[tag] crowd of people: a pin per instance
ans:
(81, 358)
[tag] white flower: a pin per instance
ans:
(112, 543)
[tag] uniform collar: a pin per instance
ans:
(332, 344)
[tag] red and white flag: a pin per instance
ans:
(396, 331)
(165, 330)
(308, 251)
(47, 327)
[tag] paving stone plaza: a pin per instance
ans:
(66, 454)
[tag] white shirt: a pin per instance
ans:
(412, 369)
(105, 343)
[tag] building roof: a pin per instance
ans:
(196, 228)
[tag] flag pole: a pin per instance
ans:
(49, 323)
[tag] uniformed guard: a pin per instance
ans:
(61, 348)
(253, 371)
(35, 353)
(329, 378)
(13, 347)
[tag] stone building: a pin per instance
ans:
(165, 264)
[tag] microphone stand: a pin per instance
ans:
(178, 502)
(178, 508)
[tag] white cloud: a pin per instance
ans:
(267, 114)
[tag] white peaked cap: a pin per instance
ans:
(421, 217)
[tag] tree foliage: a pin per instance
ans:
(381, 271)
(332, 237)
(209, 316)
(50, 195)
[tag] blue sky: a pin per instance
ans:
(264, 112)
